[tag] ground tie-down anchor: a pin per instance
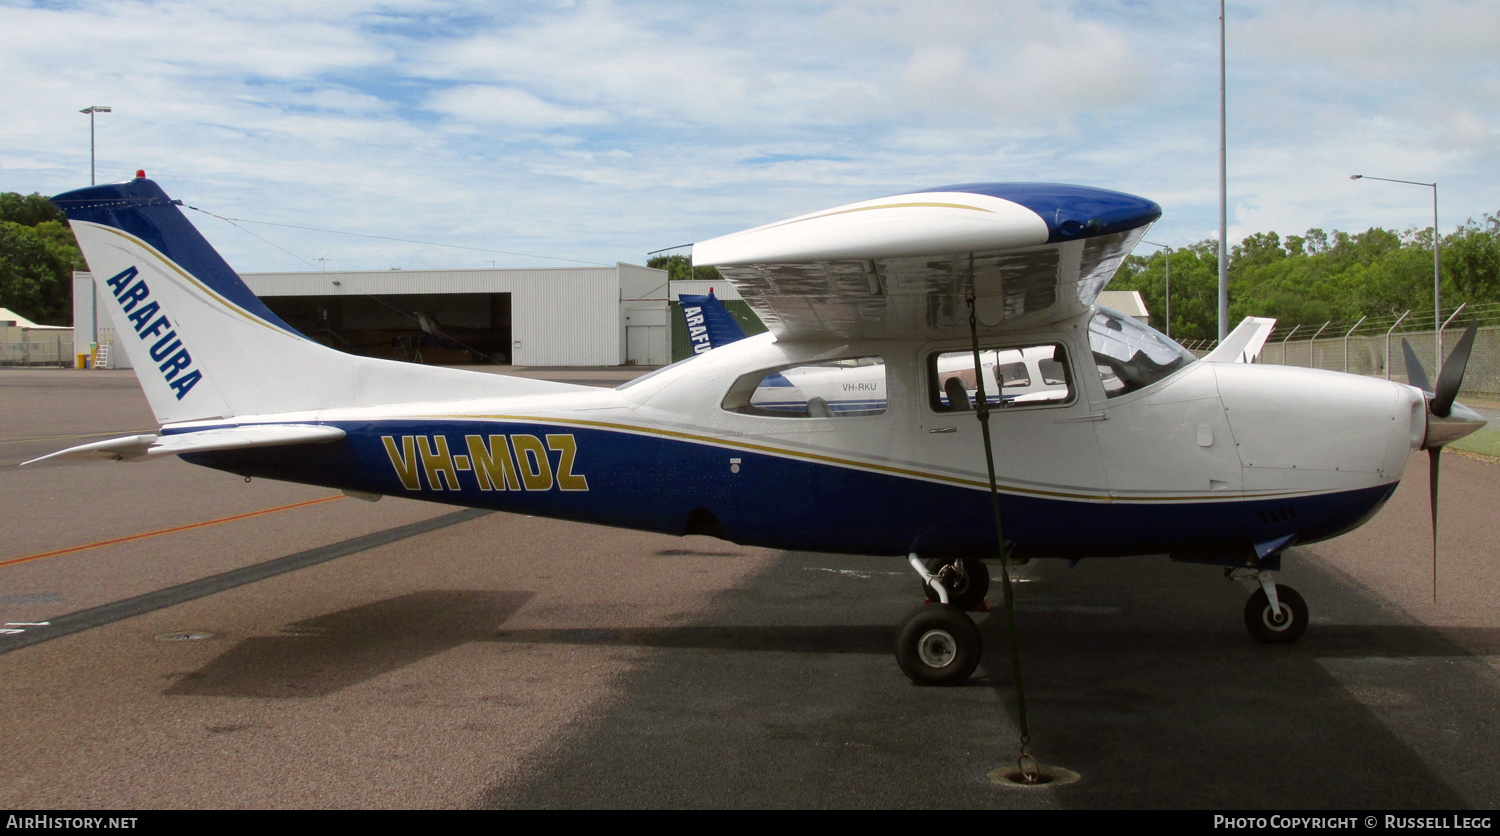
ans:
(1020, 775)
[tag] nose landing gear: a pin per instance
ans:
(1280, 623)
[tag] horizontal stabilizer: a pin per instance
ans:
(1244, 343)
(150, 445)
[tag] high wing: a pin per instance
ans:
(902, 266)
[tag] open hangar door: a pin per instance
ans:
(433, 328)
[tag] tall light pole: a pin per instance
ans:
(1169, 283)
(1437, 276)
(1223, 192)
(91, 110)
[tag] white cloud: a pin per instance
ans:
(507, 105)
(601, 130)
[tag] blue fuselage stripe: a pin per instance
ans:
(652, 482)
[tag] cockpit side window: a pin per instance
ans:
(847, 388)
(1130, 355)
(1032, 375)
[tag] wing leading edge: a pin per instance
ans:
(902, 266)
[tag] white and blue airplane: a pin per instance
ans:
(1139, 448)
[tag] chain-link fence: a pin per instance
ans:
(47, 351)
(1380, 355)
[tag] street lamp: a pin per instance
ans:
(1169, 284)
(1437, 286)
(91, 110)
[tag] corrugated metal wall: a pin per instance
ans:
(570, 316)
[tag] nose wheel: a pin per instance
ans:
(1280, 623)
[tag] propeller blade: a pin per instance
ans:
(1415, 374)
(1434, 459)
(1452, 375)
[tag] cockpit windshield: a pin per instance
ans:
(1131, 355)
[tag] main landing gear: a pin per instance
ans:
(1275, 614)
(938, 643)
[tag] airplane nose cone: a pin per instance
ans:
(1459, 422)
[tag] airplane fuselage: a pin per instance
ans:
(1188, 465)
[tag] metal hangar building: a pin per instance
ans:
(565, 316)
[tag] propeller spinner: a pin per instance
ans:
(1447, 421)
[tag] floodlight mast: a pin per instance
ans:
(91, 110)
(1223, 190)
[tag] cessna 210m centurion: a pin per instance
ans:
(1138, 449)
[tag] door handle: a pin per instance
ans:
(1079, 419)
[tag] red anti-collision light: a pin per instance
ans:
(140, 174)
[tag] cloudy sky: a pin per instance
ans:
(532, 132)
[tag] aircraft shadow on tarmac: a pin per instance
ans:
(331, 652)
(1139, 676)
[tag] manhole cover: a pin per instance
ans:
(1046, 776)
(184, 636)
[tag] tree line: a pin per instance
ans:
(37, 258)
(1320, 276)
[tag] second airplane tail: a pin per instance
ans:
(709, 323)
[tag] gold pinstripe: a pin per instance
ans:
(911, 205)
(212, 294)
(852, 464)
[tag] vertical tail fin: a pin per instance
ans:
(204, 346)
(709, 323)
(1244, 343)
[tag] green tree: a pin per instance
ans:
(1471, 260)
(679, 267)
(1195, 288)
(1320, 276)
(28, 210)
(38, 255)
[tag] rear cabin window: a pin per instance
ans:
(848, 388)
(1034, 375)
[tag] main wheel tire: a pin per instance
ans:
(938, 645)
(1266, 626)
(970, 590)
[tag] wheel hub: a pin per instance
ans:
(1277, 620)
(937, 648)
